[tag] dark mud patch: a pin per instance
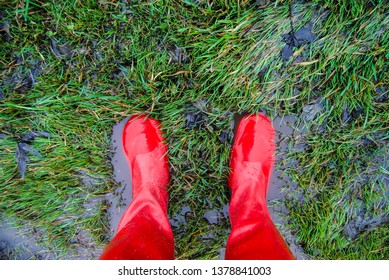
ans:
(213, 217)
(177, 54)
(381, 94)
(180, 219)
(304, 36)
(294, 39)
(363, 222)
(218, 222)
(363, 215)
(61, 49)
(21, 74)
(5, 32)
(311, 111)
(195, 116)
(198, 116)
(217, 215)
(24, 148)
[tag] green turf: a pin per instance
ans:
(100, 61)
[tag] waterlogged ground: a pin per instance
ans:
(22, 244)
(216, 216)
(71, 73)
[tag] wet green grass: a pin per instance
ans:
(100, 61)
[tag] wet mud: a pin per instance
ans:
(5, 33)
(21, 75)
(181, 218)
(19, 243)
(287, 128)
(362, 216)
(22, 242)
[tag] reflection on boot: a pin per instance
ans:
(144, 232)
(253, 234)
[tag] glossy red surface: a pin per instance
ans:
(253, 234)
(144, 232)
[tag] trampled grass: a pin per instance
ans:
(74, 68)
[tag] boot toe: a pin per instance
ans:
(254, 142)
(142, 135)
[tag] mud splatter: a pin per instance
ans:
(310, 112)
(362, 221)
(21, 75)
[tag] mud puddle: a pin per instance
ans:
(22, 243)
(284, 132)
(280, 184)
(122, 175)
(19, 243)
(286, 129)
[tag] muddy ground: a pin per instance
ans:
(22, 243)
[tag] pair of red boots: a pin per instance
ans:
(144, 232)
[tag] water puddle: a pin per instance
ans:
(285, 128)
(284, 132)
(181, 218)
(122, 175)
(19, 243)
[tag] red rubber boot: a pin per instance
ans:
(144, 231)
(253, 234)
